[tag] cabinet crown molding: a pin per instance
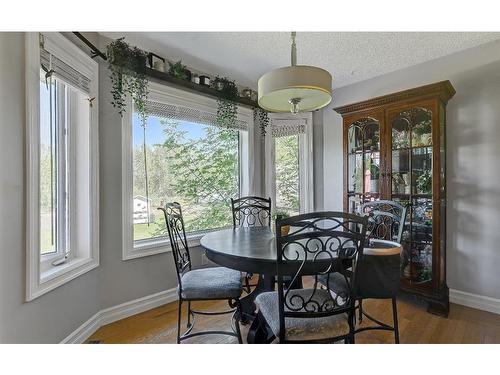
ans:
(444, 90)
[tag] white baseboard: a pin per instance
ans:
(475, 301)
(124, 310)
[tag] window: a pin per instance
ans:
(193, 164)
(180, 154)
(62, 162)
(289, 163)
(286, 161)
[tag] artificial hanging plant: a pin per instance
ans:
(261, 117)
(127, 66)
(227, 109)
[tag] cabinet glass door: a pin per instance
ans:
(363, 162)
(411, 182)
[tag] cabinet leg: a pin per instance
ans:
(441, 304)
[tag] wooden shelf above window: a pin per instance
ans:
(162, 77)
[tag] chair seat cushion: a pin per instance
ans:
(317, 328)
(211, 283)
(378, 277)
(336, 282)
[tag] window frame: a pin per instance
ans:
(306, 177)
(162, 93)
(41, 275)
(62, 225)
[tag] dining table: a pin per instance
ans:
(253, 250)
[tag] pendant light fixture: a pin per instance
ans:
(295, 88)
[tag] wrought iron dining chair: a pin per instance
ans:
(251, 211)
(217, 283)
(378, 273)
(317, 244)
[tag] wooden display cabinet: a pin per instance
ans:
(394, 148)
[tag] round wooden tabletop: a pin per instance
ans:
(254, 249)
(245, 249)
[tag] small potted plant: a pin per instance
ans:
(424, 183)
(422, 134)
(179, 71)
(280, 215)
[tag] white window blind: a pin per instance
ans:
(64, 71)
(177, 112)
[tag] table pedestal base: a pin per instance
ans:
(259, 332)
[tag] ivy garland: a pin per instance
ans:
(261, 117)
(127, 66)
(227, 108)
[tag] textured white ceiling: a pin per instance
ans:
(349, 56)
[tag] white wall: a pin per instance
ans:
(53, 316)
(473, 153)
(122, 281)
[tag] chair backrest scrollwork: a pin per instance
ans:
(251, 211)
(317, 244)
(177, 235)
(386, 219)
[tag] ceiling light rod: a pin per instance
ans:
(294, 49)
(294, 102)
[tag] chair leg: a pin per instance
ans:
(351, 317)
(179, 322)
(237, 321)
(395, 319)
(352, 339)
(189, 315)
(247, 282)
(360, 314)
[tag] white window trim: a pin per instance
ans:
(165, 94)
(39, 282)
(305, 161)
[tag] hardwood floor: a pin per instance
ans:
(463, 325)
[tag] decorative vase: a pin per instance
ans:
(285, 229)
(246, 93)
(426, 139)
(219, 86)
(204, 80)
(374, 186)
(159, 65)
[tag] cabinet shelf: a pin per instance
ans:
(412, 148)
(400, 195)
(359, 152)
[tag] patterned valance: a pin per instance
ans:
(177, 112)
(287, 127)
